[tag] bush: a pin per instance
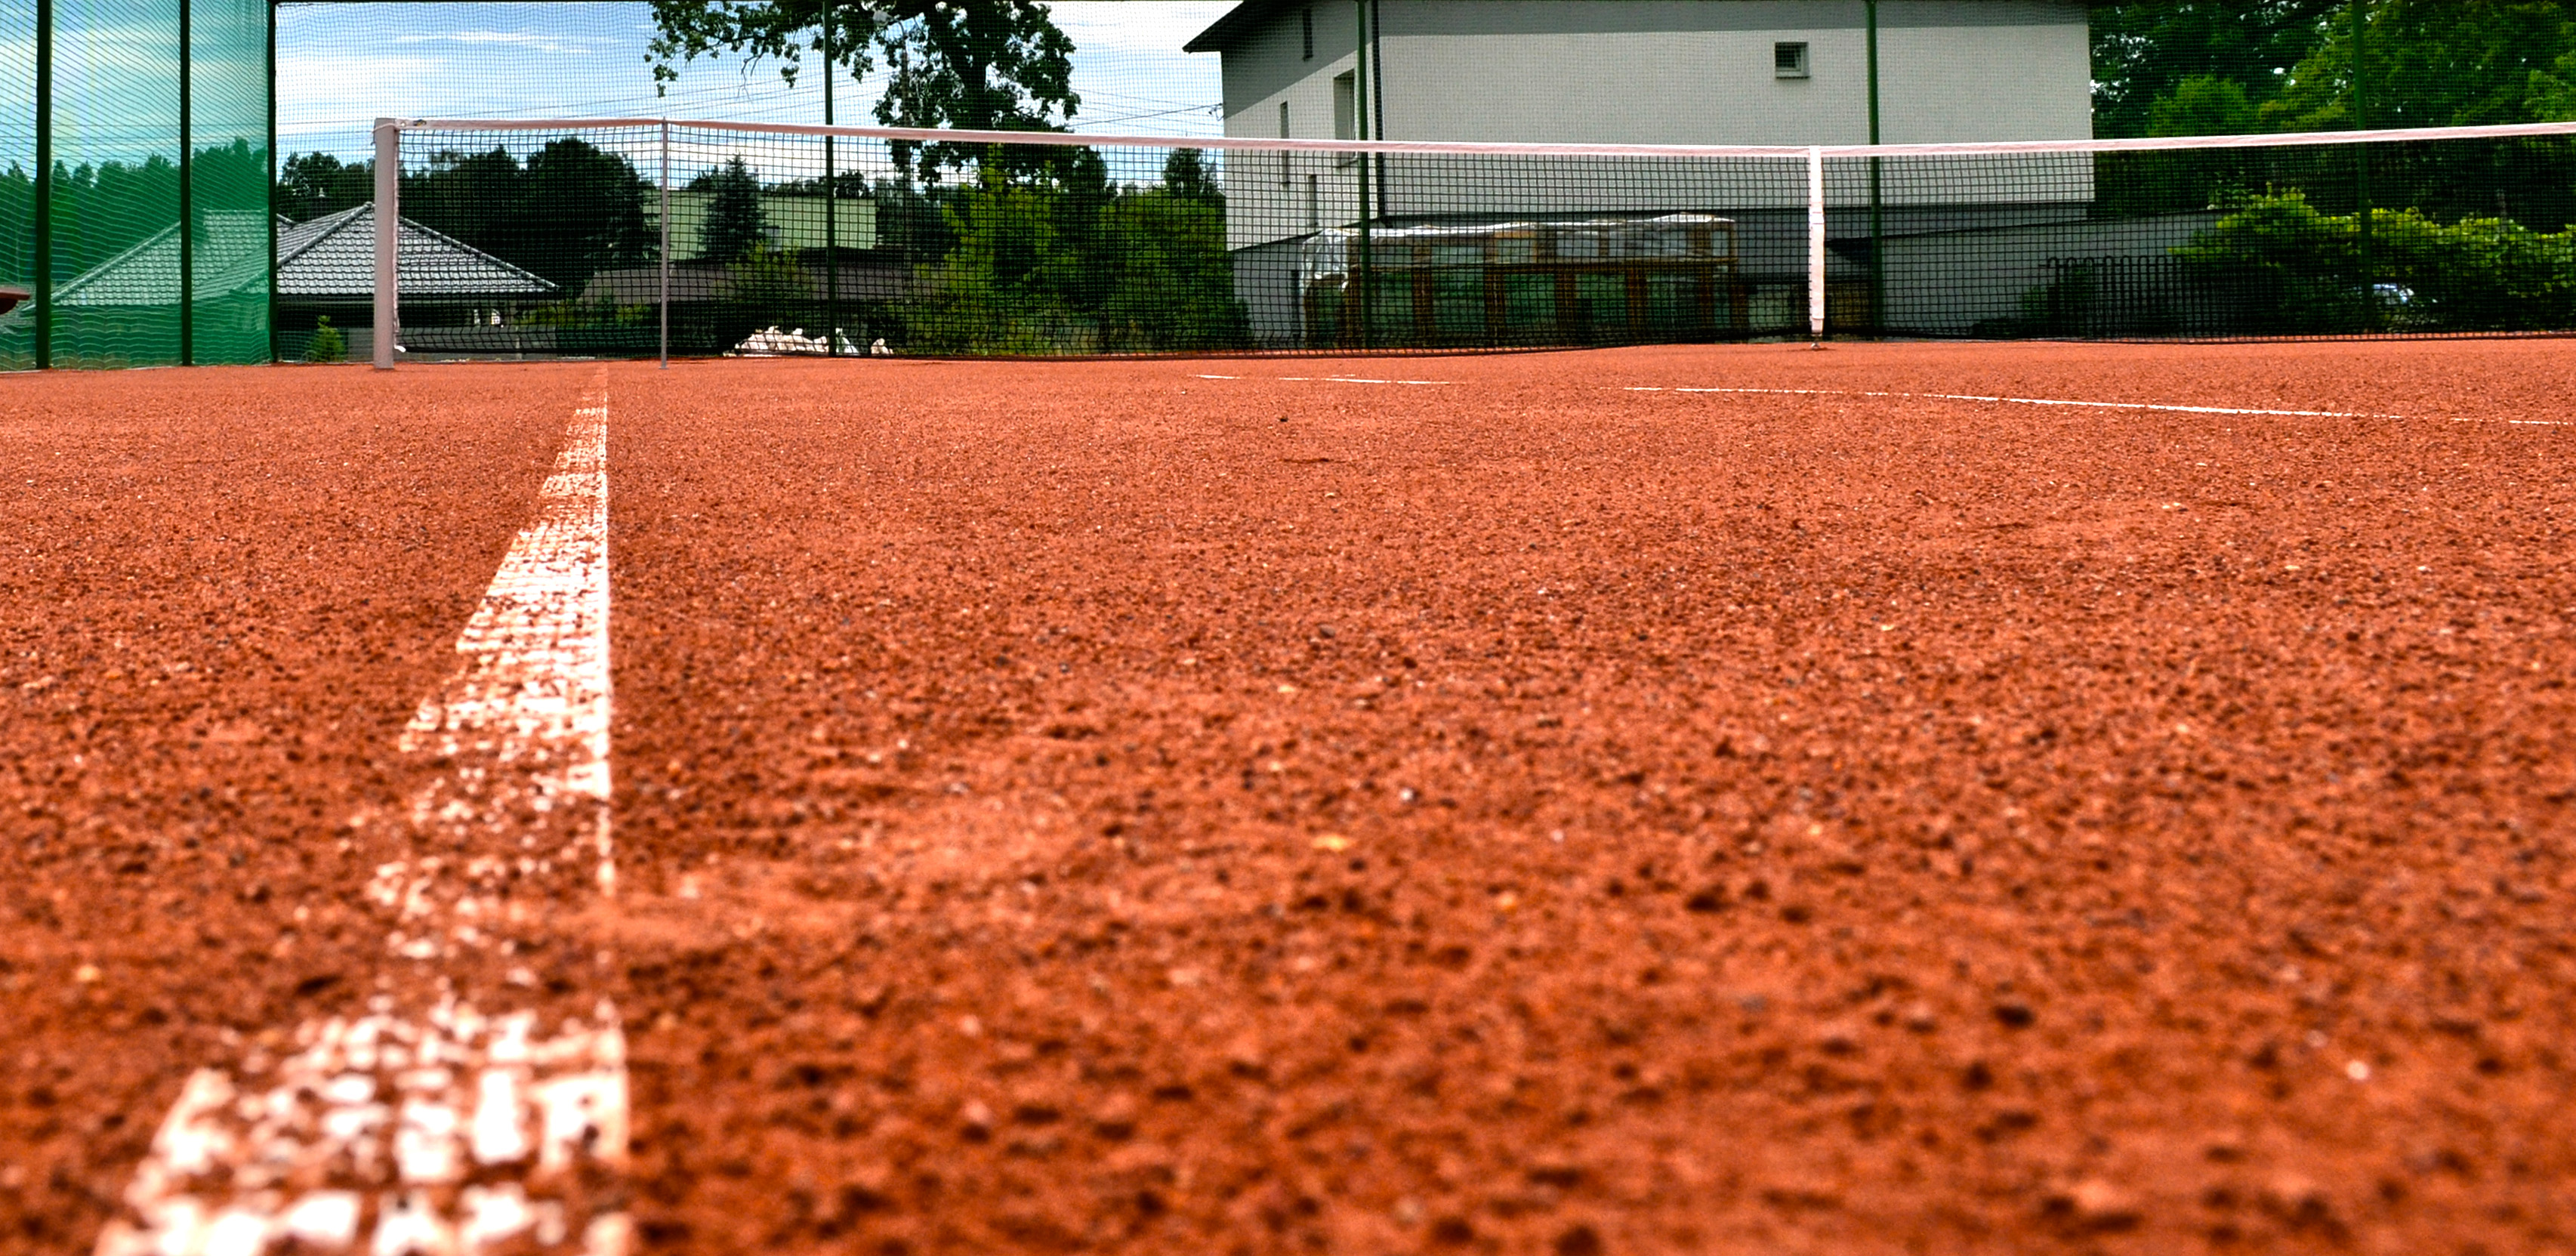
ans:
(329, 343)
(2479, 274)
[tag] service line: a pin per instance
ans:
(424, 1125)
(2083, 405)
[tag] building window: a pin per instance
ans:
(1284, 175)
(1346, 106)
(1309, 24)
(1789, 60)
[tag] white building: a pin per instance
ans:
(1767, 72)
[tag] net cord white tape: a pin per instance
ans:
(1791, 152)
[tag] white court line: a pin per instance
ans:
(427, 1128)
(2087, 405)
(1344, 379)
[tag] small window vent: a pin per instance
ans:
(1789, 60)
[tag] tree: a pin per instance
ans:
(2434, 63)
(2145, 52)
(1186, 175)
(310, 185)
(569, 212)
(971, 64)
(734, 226)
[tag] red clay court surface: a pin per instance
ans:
(1098, 807)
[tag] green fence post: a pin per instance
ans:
(187, 190)
(1359, 265)
(1877, 224)
(2361, 162)
(44, 215)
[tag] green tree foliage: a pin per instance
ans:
(567, 213)
(1069, 263)
(1172, 283)
(329, 343)
(17, 225)
(2433, 63)
(1186, 175)
(972, 64)
(2145, 52)
(2204, 104)
(310, 185)
(2185, 67)
(734, 226)
(2477, 274)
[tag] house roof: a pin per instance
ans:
(232, 257)
(329, 258)
(334, 256)
(1237, 21)
(1243, 18)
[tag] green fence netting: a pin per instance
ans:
(134, 172)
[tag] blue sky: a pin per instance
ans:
(340, 65)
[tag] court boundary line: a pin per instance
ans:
(408, 1095)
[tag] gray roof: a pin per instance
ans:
(334, 256)
(232, 257)
(329, 258)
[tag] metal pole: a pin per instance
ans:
(1377, 92)
(831, 210)
(2361, 160)
(388, 237)
(187, 193)
(44, 207)
(1877, 220)
(1816, 244)
(1359, 109)
(666, 245)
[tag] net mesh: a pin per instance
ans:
(800, 242)
(156, 211)
(17, 184)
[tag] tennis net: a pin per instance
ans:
(638, 237)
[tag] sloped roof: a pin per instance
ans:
(329, 258)
(334, 256)
(232, 258)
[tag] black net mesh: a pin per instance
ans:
(548, 242)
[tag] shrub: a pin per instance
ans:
(329, 343)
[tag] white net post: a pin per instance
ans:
(388, 234)
(1816, 243)
(665, 295)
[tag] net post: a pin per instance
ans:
(665, 295)
(831, 208)
(1816, 243)
(388, 236)
(44, 207)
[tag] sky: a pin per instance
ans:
(340, 65)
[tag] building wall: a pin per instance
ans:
(1679, 71)
(1657, 71)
